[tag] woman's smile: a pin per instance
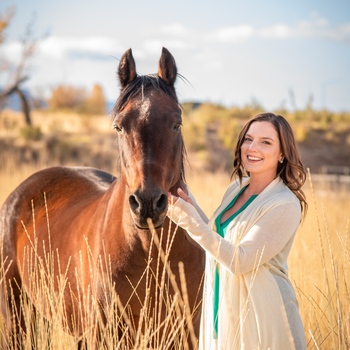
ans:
(253, 158)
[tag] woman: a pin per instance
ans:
(249, 301)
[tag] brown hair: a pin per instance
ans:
(291, 171)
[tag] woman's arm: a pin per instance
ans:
(263, 241)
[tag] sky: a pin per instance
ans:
(272, 52)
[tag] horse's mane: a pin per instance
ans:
(137, 88)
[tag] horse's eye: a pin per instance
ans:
(118, 128)
(177, 127)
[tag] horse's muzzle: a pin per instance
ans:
(148, 205)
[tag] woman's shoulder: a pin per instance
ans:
(278, 200)
(280, 193)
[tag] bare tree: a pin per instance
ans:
(15, 89)
(16, 75)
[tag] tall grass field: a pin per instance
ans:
(319, 268)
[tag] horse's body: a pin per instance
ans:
(82, 216)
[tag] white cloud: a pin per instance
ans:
(314, 28)
(59, 47)
(233, 34)
(278, 31)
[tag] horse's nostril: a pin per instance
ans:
(134, 204)
(162, 202)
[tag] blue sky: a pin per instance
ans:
(279, 53)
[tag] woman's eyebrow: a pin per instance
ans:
(263, 137)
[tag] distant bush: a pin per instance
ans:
(31, 133)
(70, 98)
(228, 132)
(96, 102)
(66, 97)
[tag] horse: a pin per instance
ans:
(62, 225)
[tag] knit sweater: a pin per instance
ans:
(258, 307)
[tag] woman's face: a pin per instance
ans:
(261, 149)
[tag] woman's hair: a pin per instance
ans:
(291, 171)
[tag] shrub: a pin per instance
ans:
(66, 97)
(96, 102)
(31, 133)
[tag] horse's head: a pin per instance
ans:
(147, 118)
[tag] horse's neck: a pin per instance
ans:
(114, 207)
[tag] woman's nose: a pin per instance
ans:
(253, 145)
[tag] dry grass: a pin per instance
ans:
(320, 269)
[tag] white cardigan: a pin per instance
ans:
(258, 307)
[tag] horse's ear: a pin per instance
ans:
(167, 68)
(126, 69)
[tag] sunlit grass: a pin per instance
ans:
(320, 265)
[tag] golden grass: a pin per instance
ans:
(319, 267)
(12, 175)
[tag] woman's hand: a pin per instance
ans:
(172, 199)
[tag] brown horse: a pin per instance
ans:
(73, 222)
